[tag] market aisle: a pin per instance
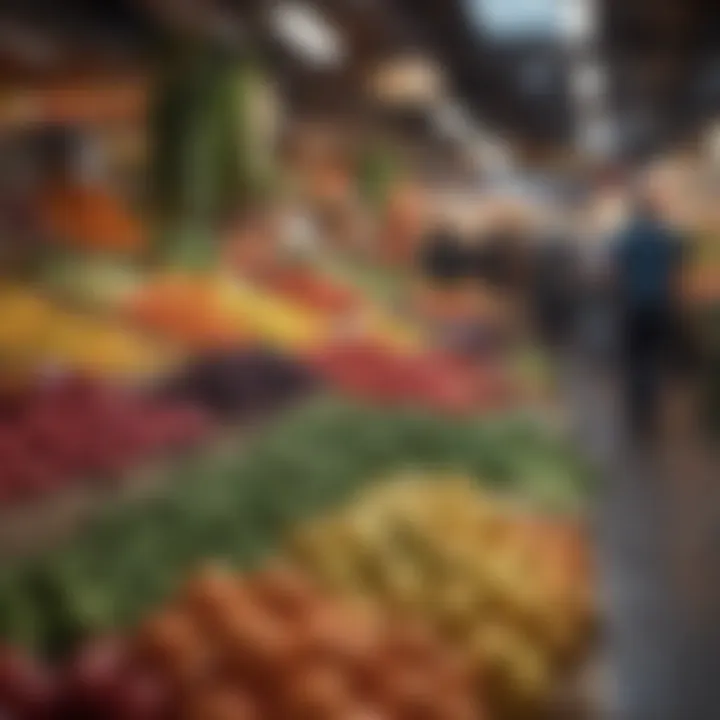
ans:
(659, 553)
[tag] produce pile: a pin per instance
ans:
(242, 384)
(308, 288)
(75, 430)
(268, 645)
(323, 593)
(430, 379)
(90, 218)
(509, 589)
(226, 310)
(36, 333)
(238, 503)
(187, 311)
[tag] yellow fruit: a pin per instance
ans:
(273, 320)
(404, 586)
(494, 581)
(39, 333)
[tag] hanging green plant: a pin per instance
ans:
(205, 159)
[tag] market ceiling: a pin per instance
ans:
(662, 56)
(516, 84)
(664, 64)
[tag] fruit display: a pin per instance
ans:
(239, 501)
(186, 310)
(431, 379)
(242, 384)
(28, 687)
(510, 590)
(310, 289)
(90, 218)
(274, 321)
(97, 282)
(266, 645)
(70, 430)
(375, 325)
(36, 334)
(210, 312)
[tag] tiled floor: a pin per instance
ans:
(658, 539)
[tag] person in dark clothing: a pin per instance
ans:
(443, 257)
(491, 261)
(648, 257)
(554, 289)
(494, 260)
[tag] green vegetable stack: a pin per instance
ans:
(239, 505)
(204, 161)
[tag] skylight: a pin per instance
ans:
(516, 19)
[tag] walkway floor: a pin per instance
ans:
(658, 531)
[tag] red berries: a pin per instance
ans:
(74, 429)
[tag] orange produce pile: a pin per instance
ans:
(187, 312)
(272, 646)
(313, 291)
(91, 219)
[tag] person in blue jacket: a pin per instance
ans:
(647, 259)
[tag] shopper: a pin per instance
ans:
(647, 268)
(443, 257)
(496, 259)
(554, 291)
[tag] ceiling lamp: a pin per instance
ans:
(407, 81)
(308, 33)
(578, 20)
(516, 20)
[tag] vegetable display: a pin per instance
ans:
(268, 645)
(97, 282)
(239, 503)
(243, 384)
(187, 311)
(207, 311)
(509, 589)
(441, 382)
(274, 321)
(91, 218)
(308, 288)
(70, 430)
(400, 543)
(205, 162)
(35, 334)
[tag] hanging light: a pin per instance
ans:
(308, 33)
(578, 20)
(412, 80)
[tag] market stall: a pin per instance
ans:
(184, 384)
